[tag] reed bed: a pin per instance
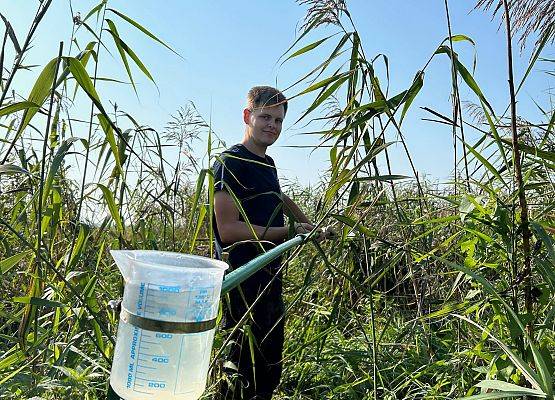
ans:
(429, 291)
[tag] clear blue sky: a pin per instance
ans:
(230, 46)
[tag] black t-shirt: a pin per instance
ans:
(253, 182)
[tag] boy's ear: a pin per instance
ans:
(246, 116)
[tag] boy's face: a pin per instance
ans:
(264, 123)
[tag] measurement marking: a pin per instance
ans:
(144, 366)
(154, 355)
(155, 300)
(178, 365)
(146, 341)
(140, 338)
(138, 355)
(151, 380)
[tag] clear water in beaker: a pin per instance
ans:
(169, 287)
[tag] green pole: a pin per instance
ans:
(235, 277)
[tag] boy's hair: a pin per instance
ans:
(263, 96)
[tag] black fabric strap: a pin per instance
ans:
(155, 325)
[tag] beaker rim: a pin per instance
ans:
(206, 262)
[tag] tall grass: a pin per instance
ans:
(466, 253)
(56, 228)
(428, 291)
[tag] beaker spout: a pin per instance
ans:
(124, 260)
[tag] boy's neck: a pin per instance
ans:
(253, 147)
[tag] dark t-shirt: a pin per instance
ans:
(253, 182)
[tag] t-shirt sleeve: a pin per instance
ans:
(228, 175)
(274, 170)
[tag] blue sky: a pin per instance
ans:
(227, 47)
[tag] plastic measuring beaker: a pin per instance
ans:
(167, 323)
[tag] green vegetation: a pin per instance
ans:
(426, 293)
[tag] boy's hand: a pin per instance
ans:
(320, 234)
(330, 232)
(324, 234)
(303, 227)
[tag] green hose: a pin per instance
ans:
(235, 277)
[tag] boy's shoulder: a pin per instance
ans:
(238, 155)
(231, 155)
(230, 159)
(236, 148)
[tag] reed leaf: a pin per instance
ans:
(324, 95)
(142, 29)
(8, 263)
(55, 166)
(123, 55)
(11, 169)
(353, 224)
(122, 45)
(38, 95)
(110, 138)
(12, 35)
(486, 163)
(412, 93)
(508, 387)
(496, 395)
(308, 48)
(15, 107)
(465, 75)
(324, 82)
(79, 247)
(543, 154)
(95, 10)
(196, 197)
(37, 301)
(112, 207)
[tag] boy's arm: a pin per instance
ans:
(294, 209)
(299, 216)
(232, 230)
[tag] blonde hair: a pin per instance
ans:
(264, 96)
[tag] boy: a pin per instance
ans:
(249, 214)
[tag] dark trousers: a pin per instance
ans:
(111, 395)
(256, 349)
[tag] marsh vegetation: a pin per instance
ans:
(429, 291)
